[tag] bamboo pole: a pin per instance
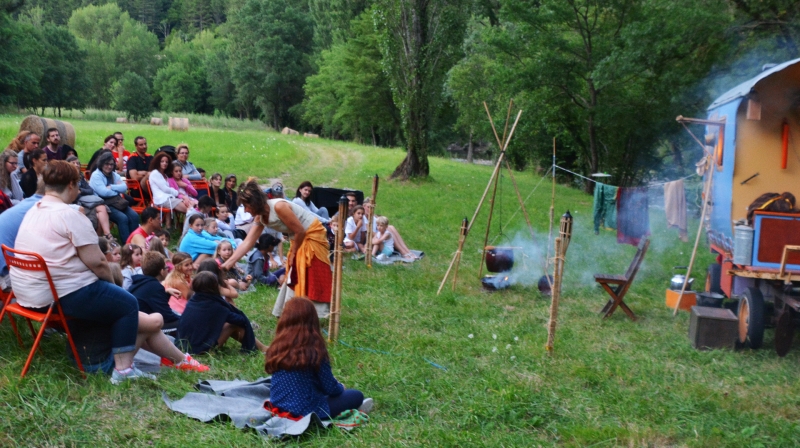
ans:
(706, 200)
(368, 257)
(556, 293)
(552, 207)
(336, 299)
(461, 240)
(488, 225)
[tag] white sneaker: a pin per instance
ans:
(366, 405)
(381, 257)
(131, 373)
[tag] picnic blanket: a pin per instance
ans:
(396, 257)
(242, 403)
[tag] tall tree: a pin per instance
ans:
(271, 41)
(420, 40)
(64, 82)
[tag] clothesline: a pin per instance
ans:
(652, 184)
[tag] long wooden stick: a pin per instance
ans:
(336, 299)
(552, 206)
(368, 257)
(456, 258)
(706, 200)
(555, 295)
(488, 224)
(461, 240)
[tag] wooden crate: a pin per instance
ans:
(711, 328)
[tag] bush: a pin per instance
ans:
(131, 94)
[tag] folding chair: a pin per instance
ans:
(30, 261)
(201, 186)
(622, 283)
(135, 187)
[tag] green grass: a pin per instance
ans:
(609, 383)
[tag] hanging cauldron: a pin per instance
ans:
(499, 259)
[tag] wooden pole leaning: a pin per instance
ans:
(461, 239)
(483, 198)
(556, 293)
(706, 199)
(336, 297)
(368, 255)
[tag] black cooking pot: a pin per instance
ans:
(499, 259)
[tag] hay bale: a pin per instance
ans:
(155, 121)
(39, 125)
(310, 135)
(122, 120)
(178, 124)
(287, 131)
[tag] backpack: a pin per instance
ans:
(772, 202)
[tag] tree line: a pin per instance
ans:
(604, 77)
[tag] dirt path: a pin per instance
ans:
(323, 167)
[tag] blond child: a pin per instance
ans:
(234, 276)
(181, 279)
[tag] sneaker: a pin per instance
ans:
(381, 257)
(366, 405)
(188, 364)
(131, 373)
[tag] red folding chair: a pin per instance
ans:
(135, 187)
(30, 261)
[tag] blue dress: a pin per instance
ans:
(302, 392)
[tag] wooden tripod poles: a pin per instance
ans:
(559, 259)
(368, 257)
(461, 240)
(336, 299)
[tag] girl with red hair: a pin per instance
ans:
(302, 381)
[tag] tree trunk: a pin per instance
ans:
(374, 141)
(469, 147)
(594, 158)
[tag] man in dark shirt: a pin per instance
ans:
(54, 149)
(139, 162)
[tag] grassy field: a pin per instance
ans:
(609, 383)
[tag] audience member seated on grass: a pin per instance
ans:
(215, 189)
(82, 277)
(303, 199)
(224, 222)
(205, 205)
(18, 143)
(209, 321)
(229, 191)
(151, 223)
(383, 242)
(198, 242)
(302, 380)
(354, 230)
(158, 243)
(180, 279)
(54, 149)
(153, 297)
(234, 276)
(92, 208)
(10, 221)
(163, 195)
(186, 191)
(110, 250)
(9, 161)
(28, 181)
(139, 162)
(109, 145)
(228, 292)
(399, 244)
(110, 186)
(352, 203)
(243, 220)
(130, 263)
(260, 262)
(189, 170)
(93, 342)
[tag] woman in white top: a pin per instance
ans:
(303, 199)
(163, 195)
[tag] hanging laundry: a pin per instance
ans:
(675, 206)
(605, 207)
(633, 220)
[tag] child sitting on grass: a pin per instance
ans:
(198, 242)
(109, 249)
(158, 247)
(153, 297)
(209, 321)
(227, 291)
(302, 380)
(181, 279)
(165, 238)
(130, 262)
(234, 276)
(259, 268)
(383, 242)
(353, 230)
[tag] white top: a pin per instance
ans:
(160, 189)
(242, 217)
(53, 230)
(388, 243)
(350, 227)
(127, 274)
(305, 217)
(310, 207)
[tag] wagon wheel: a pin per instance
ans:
(784, 332)
(751, 318)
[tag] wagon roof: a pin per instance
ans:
(745, 87)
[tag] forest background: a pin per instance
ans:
(605, 78)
